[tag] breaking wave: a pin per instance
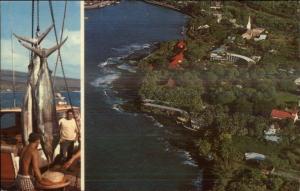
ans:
(131, 48)
(117, 107)
(188, 159)
(105, 80)
(109, 61)
(157, 124)
(127, 68)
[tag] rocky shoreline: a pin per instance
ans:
(98, 4)
(133, 104)
(168, 6)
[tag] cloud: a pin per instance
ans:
(70, 52)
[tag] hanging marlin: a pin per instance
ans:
(43, 109)
(33, 69)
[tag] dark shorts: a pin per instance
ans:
(25, 183)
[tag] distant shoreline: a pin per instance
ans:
(21, 80)
(168, 6)
(97, 5)
(158, 3)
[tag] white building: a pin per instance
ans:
(254, 156)
(270, 134)
(297, 81)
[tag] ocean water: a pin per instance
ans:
(128, 151)
(7, 101)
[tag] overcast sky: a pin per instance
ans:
(16, 17)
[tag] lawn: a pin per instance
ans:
(287, 97)
(270, 150)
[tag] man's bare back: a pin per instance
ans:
(26, 158)
(29, 160)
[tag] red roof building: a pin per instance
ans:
(176, 60)
(278, 114)
(181, 44)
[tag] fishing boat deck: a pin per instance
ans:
(11, 138)
(72, 175)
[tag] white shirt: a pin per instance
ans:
(68, 129)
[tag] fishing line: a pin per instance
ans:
(61, 63)
(0, 59)
(12, 56)
(38, 16)
(61, 35)
(32, 29)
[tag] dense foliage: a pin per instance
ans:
(232, 102)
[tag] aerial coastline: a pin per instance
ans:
(213, 98)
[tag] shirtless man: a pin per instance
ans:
(29, 160)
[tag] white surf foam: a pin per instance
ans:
(188, 159)
(197, 182)
(131, 48)
(109, 61)
(150, 117)
(117, 107)
(106, 80)
(127, 68)
(157, 124)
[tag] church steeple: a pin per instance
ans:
(249, 24)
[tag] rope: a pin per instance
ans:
(61, 36)
(60, 59)
(38, 16)
(13, 69)
(0, 56)
(32, 28)
(12, 57)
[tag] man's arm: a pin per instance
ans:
(37, 172)
(60, 128)
(35, 166)
(71, 161)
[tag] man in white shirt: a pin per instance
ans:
(68, 135)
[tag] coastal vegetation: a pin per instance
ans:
(231, 102)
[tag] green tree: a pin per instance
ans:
(225, 97)
(204, 147)
(242, 105)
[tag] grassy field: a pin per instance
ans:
(287, 97)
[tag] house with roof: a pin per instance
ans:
(179, 57)
(216, 5)
(218, 54)
(221, 54)
(206, 26)
(297, 82)
(254, 156)
(255, 33)
(270, 134)
(176, 60)
(279, 114)
(181, 45)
